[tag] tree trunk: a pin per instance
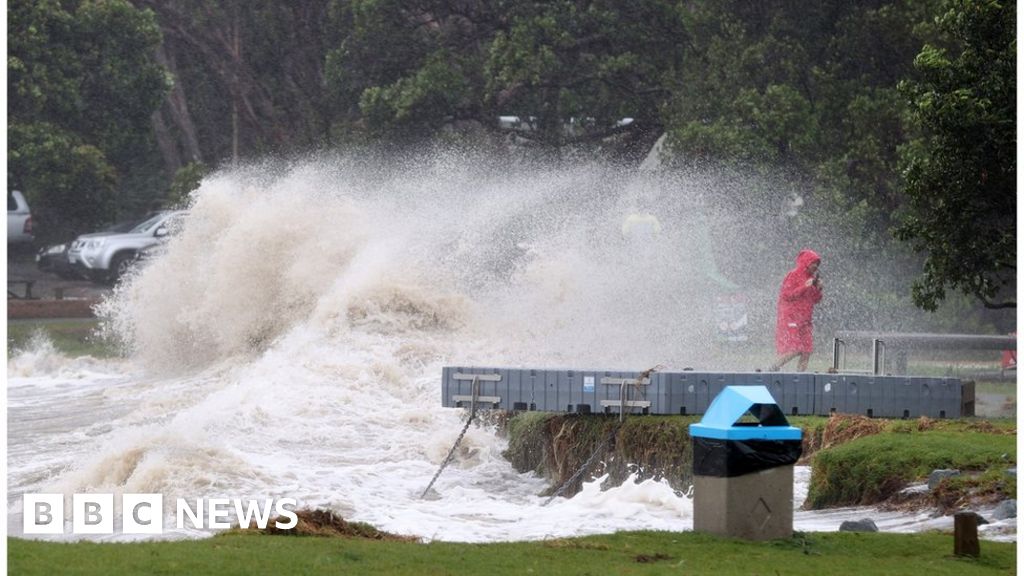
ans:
(176, 105)
(236, 57)
(165, 141)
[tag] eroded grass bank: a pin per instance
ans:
(855, 460)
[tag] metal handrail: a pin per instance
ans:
(837, 346)
(877, 356)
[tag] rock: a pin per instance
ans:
(862, 525)
(1012, 472)
(1006, 509)
(913, 490)
(938, 476)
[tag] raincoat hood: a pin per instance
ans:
(805, 258)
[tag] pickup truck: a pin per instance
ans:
(19, 219)
(107, 256)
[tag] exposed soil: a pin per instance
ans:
(325, 523)
(841, 428)
(557, 445)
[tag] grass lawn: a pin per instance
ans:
(71, 337)
(870, 469)
(623, 553)
(1007, 388)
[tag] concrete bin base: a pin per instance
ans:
(756, 506)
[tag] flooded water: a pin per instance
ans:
(290, 341)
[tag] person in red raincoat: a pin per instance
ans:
(801, 290)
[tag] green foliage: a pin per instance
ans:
(578, 67)
(186, 180)
(872, 468)
(622, 553)
(961, 175)
(782, 98)
(569, 69)
(399, 91)
(808, 88)
(87, 68)
(427, 98)
(82, 86)
(70, 184)
(121, 84)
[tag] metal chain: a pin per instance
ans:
(611, 436)
(586, 465)
(448, 458)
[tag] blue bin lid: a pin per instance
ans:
(720, 420)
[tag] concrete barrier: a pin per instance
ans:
(691, 392)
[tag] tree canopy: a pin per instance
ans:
(811, 88)
(82, 85)
(885, 115)
(961, 174)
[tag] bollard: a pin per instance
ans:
(965, 534)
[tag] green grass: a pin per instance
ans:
(623, 553)
(870, 469)
(69, 337)
(1007, 388)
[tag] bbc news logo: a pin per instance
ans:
(144, 513)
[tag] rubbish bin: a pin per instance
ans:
(743, 471)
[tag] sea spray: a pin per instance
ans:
(289, 341)
(534, 258)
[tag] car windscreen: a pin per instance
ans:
(148, 225)
(128, 225)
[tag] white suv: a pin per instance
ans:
(106, 256)
(19, 219)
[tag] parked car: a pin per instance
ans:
(19, 219)
(105, 257)
(54, 258)
(150, 253)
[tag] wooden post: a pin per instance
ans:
(965, 534)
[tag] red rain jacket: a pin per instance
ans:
(796, 305)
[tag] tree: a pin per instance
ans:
(252, 75)
(82, 84)
(71, 182)
(805, 88)
(571, 70)
(578, 68)
(408, 90)
(961, 176)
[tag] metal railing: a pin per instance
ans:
(903, 341)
